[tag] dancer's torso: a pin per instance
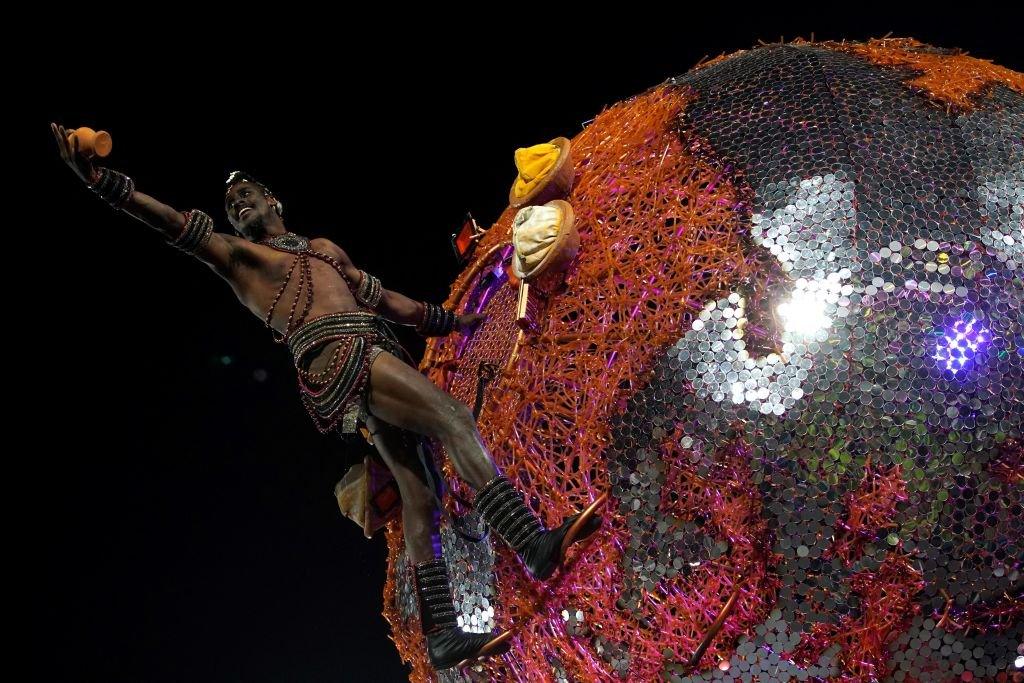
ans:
(261, 282)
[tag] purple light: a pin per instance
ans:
(960, 344)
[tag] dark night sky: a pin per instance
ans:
(182, 522)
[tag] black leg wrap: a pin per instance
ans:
(508, 515)
(447, 644)
(504, 510)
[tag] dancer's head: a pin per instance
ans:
(251, 206)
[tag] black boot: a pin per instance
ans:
(447, 644)
(540, 549)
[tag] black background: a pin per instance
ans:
(176, 518)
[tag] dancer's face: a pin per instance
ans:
(248, 208)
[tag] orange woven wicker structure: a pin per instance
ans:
(791, 346)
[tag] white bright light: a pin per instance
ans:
(804, 313)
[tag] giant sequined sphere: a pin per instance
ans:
(792, 348)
